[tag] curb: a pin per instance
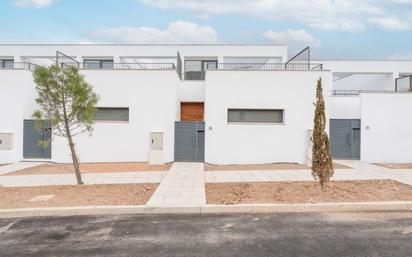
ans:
(210, 208)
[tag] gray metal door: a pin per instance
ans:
(31, 138)
(189, 141)
(345, 138)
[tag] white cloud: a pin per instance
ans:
(391, 23)
(33, 3)
(176, 32)
(344, 15)
(292, 38)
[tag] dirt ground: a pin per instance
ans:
(395, 165)
(54, 168)
(111, 194)
(307, 192)
(269, 166)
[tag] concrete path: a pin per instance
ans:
(18, 166)
(88, 178)
(360, 171)
(183, 185)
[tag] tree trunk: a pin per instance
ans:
(74, 158)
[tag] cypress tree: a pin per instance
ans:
(322, 167)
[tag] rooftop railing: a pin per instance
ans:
(266, 66)
(19, 66)
(124, 66)
(345, 92)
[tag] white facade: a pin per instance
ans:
(247, 77)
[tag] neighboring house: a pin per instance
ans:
(222, 104)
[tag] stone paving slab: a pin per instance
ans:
(18, 166)
(88, 178)
(183, 185)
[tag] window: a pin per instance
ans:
(111, 114)
(7, 63)
(255, 115)
(98, 64)
(195, 69)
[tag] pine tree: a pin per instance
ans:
(67, 102)
(322, 166)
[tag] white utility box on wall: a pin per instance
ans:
(6, 141)
(156, 148)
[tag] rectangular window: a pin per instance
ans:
(7, 63)
(255, 115)
(111, 114)
(98, 64)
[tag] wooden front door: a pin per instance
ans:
(192, 111)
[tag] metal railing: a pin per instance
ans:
(267, 66)
(346, 92)
(125, 66)
(20, 66)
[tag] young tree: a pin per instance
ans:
(322, 167)
(68, 102)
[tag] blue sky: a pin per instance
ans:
(343, 29)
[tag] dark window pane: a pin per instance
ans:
(112, 114)
(255, 115)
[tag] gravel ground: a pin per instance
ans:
(61, 196)
(307, 192)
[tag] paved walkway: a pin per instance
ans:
(88, 178)
(183, 185)
(18, 166)
(359, 171)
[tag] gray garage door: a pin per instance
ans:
(345, 138)
(31, 138)
(190, 141)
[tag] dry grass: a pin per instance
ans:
(307, 192)
(395, 165)
(269, 166)
(54, 168)
(113, 194)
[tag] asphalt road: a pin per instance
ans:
(321, 234)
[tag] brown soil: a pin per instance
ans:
(269, 166)
(395, 165)
(3, 164)
(113, 194)
(54, 168)
(307, 192)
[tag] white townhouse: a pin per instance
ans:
(222, 104)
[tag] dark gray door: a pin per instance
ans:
(190, 141)
(345, 138)
(31, 138)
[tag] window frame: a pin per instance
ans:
(98, 62)
(112, 120)
(254, 122)
(4, 61)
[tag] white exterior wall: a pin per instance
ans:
(372, 67)
(386, 133)
(144, 51)
(149, 95)
(151, 98)
(366, 82)
(260, 143)
(17, 93)
(344, 107)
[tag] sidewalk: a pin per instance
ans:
(88, 178)
(18, 166)
(360, 171)
(183, 185)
